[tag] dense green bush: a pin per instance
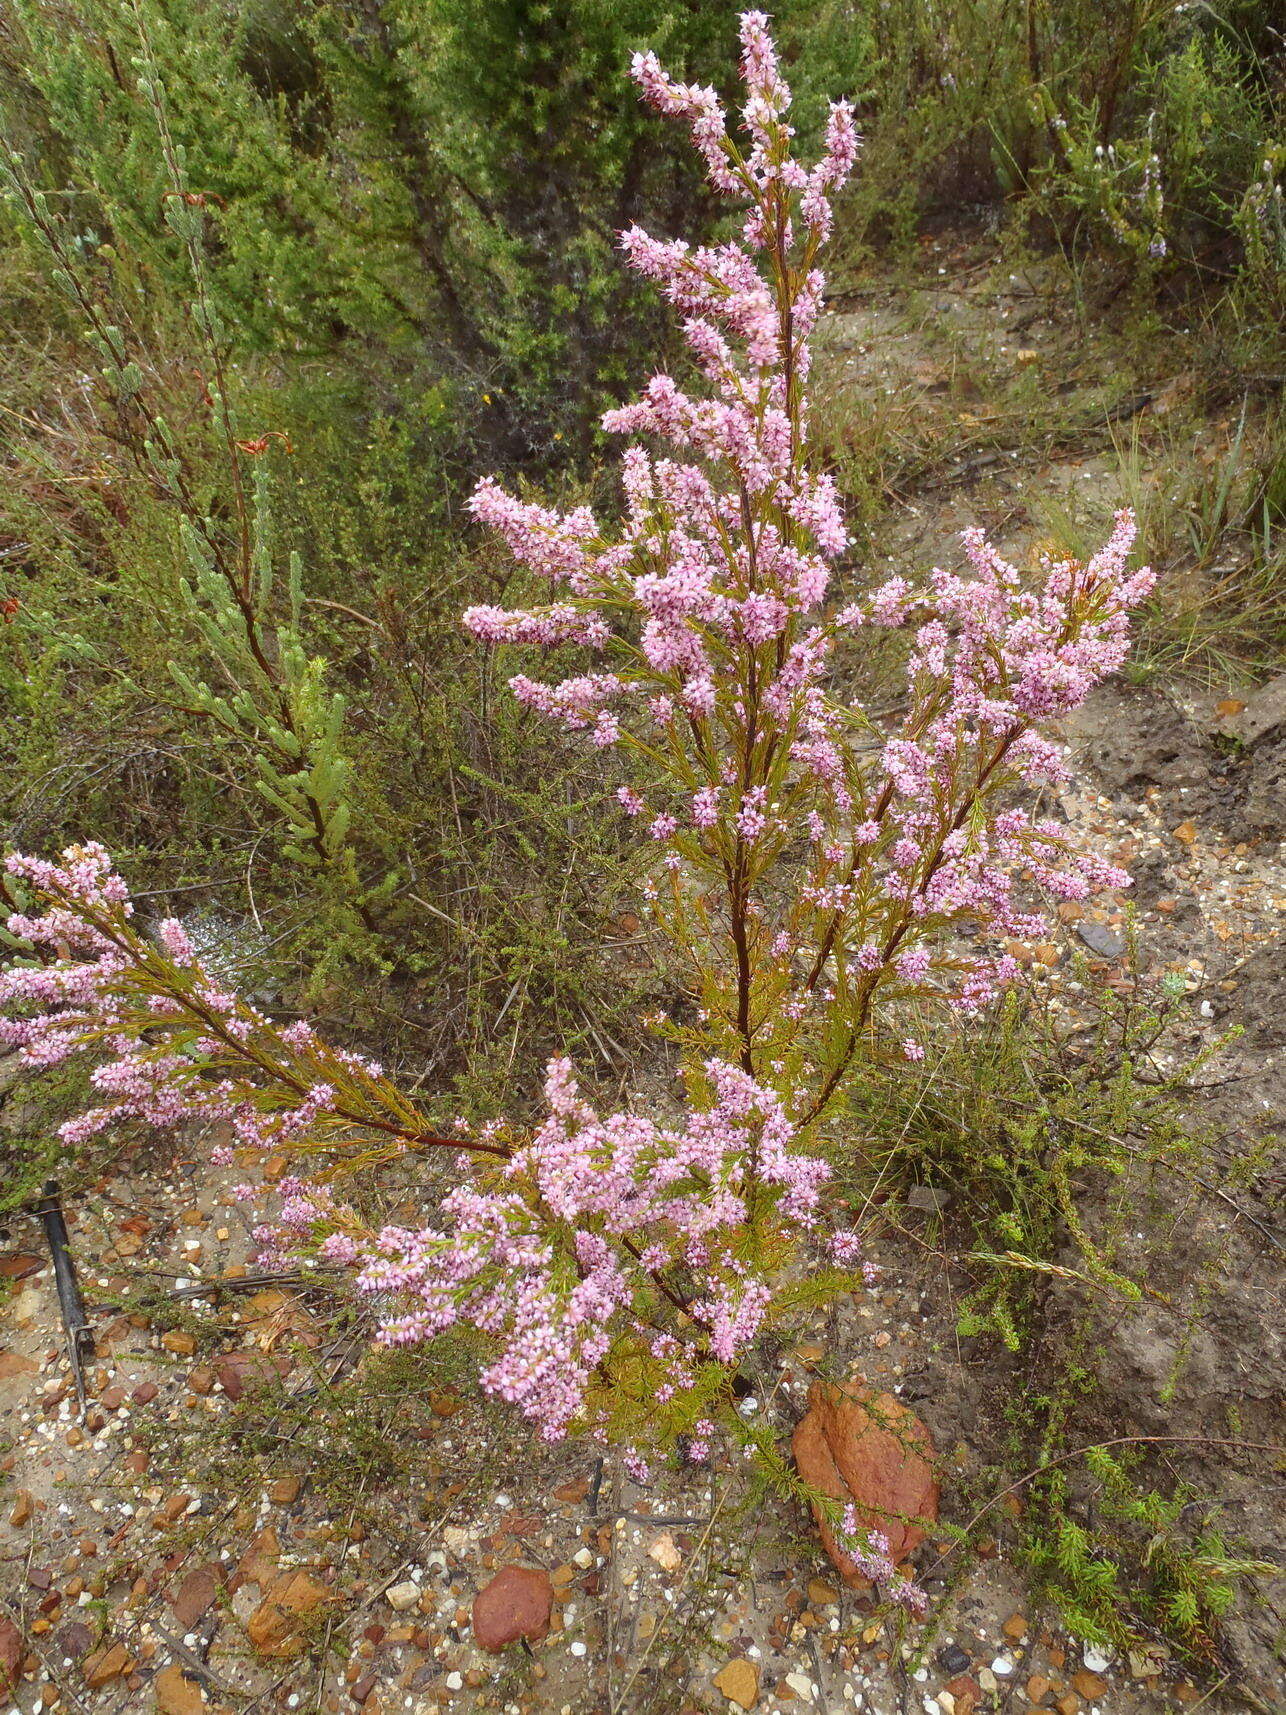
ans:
(1145, 132)
(433, 179)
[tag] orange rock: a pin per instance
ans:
(171, 1511)
(738, 1680)
(176, 1694)
(273, 1626)
(258, 1564)
(1090, 1685)
(105, 1665)
(11, 1653)
(868, 1448)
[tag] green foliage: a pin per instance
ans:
(330, 748)
(1157, 131)
(1010, 1131)
(1171, 178)
(31, 1152)
(279, 707)
(407, 174)
(1125, 1562)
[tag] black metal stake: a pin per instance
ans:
(80, 1339)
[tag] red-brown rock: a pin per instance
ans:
(240, 1371)
(516, 1604)
(17, 1265)
(111, 1662)
(73, 1641)
(868, 1448)
(258, 1565)
(11, 1653)
(195, 1595)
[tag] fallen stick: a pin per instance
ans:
(80, 1339)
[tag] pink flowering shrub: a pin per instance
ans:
(813, 870)
(806, 880)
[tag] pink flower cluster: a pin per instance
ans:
(869, 1552)
(588, 1227)
(579, 1239)
(710, 604)
(157, 1019)
(706, 585)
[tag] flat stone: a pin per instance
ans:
(1099, 938)
(195, 1595)
(240, 1371)
(258, 1565)
(1145, 1661)
(17, 1364)
(22, 1508)
(179, 1341)
(11, 1653)
(517, 1603)
(176, 1693)
(855, 1445)
(18, 1265)
(73, 1641)
(275, 1622)
(739, 1682)
(929, 1199)
(107, 1664)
